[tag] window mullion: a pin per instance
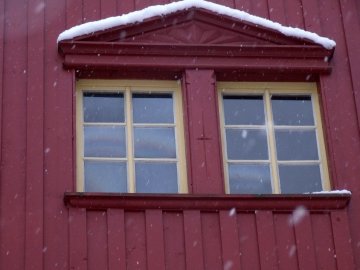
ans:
(129, 142)
(272, 144)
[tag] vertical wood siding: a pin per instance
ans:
(37, 159)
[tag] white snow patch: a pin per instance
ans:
(162, 10)
(343, 191)
(298, 215)
(232, 212)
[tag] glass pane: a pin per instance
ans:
(296, 145)
(104, 141)
(244, 110)
(300, 178)
(103, 107)
(156, 177)
(154, 143)
(153, 108)
(249, 179)
(292, 110)
(246, 144)
(102, 176)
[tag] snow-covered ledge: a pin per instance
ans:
(194, 34)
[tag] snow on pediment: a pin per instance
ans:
(193, 29)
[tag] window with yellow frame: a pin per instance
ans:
(130, 137)
(272, 138)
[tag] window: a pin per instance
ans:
(130, 137)
(272, 138)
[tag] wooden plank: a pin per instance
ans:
(248, 240)
(311, 16)
(205, 147)
(342, 240)
(155, 240)
(229, 239)
(174, 240)
(193, 240)
(227, 3)
(58, 142)
(91, 10)
(277, 11)
(116, 239)
(13, 139)
(285, 242)
(108, 8)
(211, 239)
(124, 7)
(260, 8)
(244, 5)
(74, 13)
(305, 243)
(135, 238)
(34, 248)
(77, 239)
(2, 63)
(294, 13)
(97, 244)
(266, 240)
(323, 240)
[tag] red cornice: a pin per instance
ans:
(312, 202)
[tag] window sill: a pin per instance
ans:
(174, 202)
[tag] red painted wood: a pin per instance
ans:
(266, 240)
(78, 244)
(13, 140)
(285, 242)
(155, 240)
(2, 62)
(193, 240)
(97, 244)
(311, 16)
(58, 139)
(211, 202)
(34, 248)
(342, 240)
(91, 10)
(260, 8)
(108, 8)
(125, 7)
(74, 12)
(211, 241)
(135, 239)
(227, 3)
(174, 240)
(248, 241)
(305, 243)
(116, 239)
(323, 239)
(277, 11)
(294, 13)
(244, 5)
(229, 239)
(205, 149)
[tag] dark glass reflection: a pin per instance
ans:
(300, 178)
(105, 176)
(104, 141)
(154, 142)
(292, 110)
(152, 108)
(252, 179)
(296, 145)
(244, 110)
(103, 107)
(246, 144)
(156, 177)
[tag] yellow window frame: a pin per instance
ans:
(266, 89)
(127, 87)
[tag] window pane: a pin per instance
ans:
(249, 179)
(246, 144)
(102, 107)
(292, 110)
(154, 143)
(296, 145)
(300, 178)
(244, 110)
(104, 141)
(102, 176)
(156, 177)
(153, 108)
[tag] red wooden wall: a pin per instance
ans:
(37, 230)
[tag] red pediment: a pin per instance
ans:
(194, 38)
